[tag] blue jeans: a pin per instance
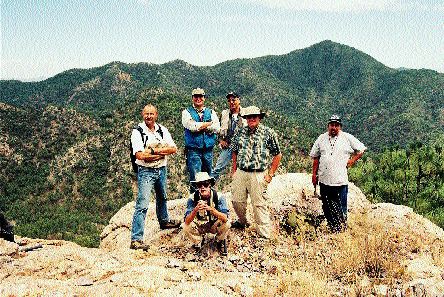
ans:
(147, 180)
(222, 161)
(198, 160)
(334, 205)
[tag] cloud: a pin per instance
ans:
(144, 2)
(348, 5)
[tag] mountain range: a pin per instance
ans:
(64, 141)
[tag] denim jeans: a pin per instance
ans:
(199, 160)
(222, 161)
(334, 205)
(149, 179)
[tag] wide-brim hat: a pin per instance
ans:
(335, 119)
(252, 110)
(202, 177)
(198, 91)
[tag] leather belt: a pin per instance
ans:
(252, 170)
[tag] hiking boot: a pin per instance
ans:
(170, 224)
(222, 247)
(239, 225)
(139, 245)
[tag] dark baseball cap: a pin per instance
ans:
(232, 94)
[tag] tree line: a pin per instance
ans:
(412, 176)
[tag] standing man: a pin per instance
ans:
(151, 146)
(331, 158)
(230, 122)
(200, 127)
(251, 148)
(207, 212)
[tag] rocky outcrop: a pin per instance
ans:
(289, 264)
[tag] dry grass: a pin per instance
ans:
(370, 252)
(295, 283)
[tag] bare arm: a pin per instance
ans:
(314, 176)
(147, 156)
(354, 158)
(219, 215)
(164, 150)
(201, 205)
(274, 166)
(234, 163)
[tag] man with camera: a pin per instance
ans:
(207, 212)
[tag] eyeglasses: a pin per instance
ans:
(251, 116)
(203, 184)
(198, 96)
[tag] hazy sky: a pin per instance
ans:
(40, 38)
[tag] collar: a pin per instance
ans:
(203, 108)
(145, 127)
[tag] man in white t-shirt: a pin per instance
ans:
(151, 144)
(331, 157)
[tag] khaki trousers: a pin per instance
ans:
(252, 183)
(194, 231)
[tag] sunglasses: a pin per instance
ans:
(251, 116)
(198, 96)
(203, 184)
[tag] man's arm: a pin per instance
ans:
(219, 215)
(192, 125)
(354, 158)
(314, 175)
(164, 150)
(274, 166)
(147, 156)
(214, 124)
(234, 163)
(201, 205)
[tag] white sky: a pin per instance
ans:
(40, 38)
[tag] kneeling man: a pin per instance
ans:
(207, 212)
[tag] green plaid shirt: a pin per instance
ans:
(253, 149)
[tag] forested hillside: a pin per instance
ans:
(64, 141)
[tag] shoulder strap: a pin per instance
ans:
(215, 198)
(138, 128)
(160, 131)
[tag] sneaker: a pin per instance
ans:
(170, 224)
(222, 247)
(239, 225)
(139, 245)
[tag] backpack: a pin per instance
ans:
(144, 140)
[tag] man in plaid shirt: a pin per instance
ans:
(251, 149)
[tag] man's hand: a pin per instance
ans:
(223, 144)
(204, 126)
(350, 163)
(268, 177)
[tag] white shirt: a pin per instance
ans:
(189, 123)
(334, 153)
(153, 139)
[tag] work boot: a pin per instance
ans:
(170, 224)
(222, 247)
(139, 245)
(239, 225)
